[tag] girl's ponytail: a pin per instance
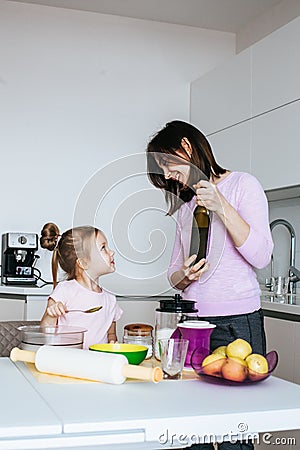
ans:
(49, 239)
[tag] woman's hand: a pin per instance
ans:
(209, 196)
(194, 272)
(189, 272)
(56, 309)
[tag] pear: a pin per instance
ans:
(239, 348)
(220, 350)
(212, 364)
(235, 369)
(257, 363)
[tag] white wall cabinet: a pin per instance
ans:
(275, 147)
(222, 97)
(232, 147)
(256, 97)
(276, 68)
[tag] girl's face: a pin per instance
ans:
(101, 259)
(175, 168)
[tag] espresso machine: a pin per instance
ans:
(18, 259)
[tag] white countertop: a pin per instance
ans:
(136, 413)
(24, 290)
(269, 302)
(23, 412)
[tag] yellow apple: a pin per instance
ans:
(257, 365)
(220, 350)
(238, 348)
(212, 364)
(234, 369)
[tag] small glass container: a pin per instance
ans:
(139, 334)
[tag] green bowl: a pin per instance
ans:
(134, 353)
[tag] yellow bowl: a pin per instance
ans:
(134, 353)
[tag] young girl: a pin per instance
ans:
(83, 254)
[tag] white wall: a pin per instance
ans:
(77, 91)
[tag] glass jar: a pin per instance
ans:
(168, 315)
(139, 334)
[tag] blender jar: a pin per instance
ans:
(168, 315)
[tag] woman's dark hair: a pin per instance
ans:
(164, 146)
(68, 247)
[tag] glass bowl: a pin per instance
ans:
(134, 353)
(200, 353)
(34, 336)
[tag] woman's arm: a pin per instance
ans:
(111, 333)
(53, 311)
(209, 196)
(248, 223)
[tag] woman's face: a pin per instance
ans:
(176, 168)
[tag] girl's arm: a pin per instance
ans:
(111, 333)
(53, 311)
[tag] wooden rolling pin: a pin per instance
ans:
(77, 363)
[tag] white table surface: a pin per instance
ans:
(22, 410)
(137, 414)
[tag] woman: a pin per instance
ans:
(224, 285)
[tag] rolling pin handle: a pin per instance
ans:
(17, 354)
(154, 374)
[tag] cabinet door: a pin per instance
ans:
(280, 337)
(35, 307)
(222, 97)
(297, 354)
(276, 68)
(275, 147)
(232, 147)
(12, 309)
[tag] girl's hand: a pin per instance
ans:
(56, 309)
(209, 196)
(194, 272)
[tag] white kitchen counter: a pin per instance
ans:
(274, 308)
(25, 290)
(137, 415)
(23, 412)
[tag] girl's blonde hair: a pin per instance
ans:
(67, 247)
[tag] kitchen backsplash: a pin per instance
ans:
(289, 210)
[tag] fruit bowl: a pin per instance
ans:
(252, 377)
(134, 353)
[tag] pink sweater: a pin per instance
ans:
(76, 296)
(230, 285)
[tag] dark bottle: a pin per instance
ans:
(199, 236)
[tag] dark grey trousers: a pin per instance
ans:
(228, 328)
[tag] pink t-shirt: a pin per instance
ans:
(76, 296)
(230, 285)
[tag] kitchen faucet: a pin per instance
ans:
(293, 272)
